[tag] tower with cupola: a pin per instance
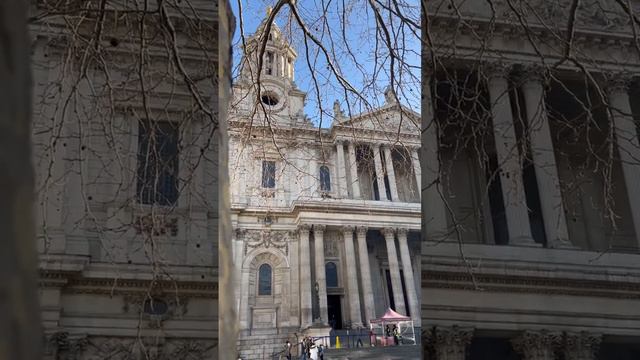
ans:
(277, 101)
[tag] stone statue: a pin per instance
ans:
(337, 111)
(389, 95)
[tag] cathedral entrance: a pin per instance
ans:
(334, 311)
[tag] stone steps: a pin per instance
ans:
(261, 346)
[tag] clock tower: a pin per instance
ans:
(279, 102)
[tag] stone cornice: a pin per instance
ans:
(113, 285)
(462, 280)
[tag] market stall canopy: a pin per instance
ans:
(391, 316)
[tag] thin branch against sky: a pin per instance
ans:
(359, 50)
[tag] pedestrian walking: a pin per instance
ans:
(287, 350)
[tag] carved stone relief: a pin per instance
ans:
(331, 245)
(147, 348)
(254, 239)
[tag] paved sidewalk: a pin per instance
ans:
(404, 352)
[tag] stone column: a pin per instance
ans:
(318, 237)
(537, 345)
(352, 278)
(581, 346)
(515, 202)
(340, 169)
(379, 173)
(627, 141)
(544, 159)
(409, 282)
(365, 274)
(394, 269)
(415, 162)
(434, 214)
(451, 343)
(353, 167)
(305, 277)
(391, 174)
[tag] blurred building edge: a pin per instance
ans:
(520, 256)
(131, 198)
(20, 325)
(228, 323)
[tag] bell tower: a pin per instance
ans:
(279, 97)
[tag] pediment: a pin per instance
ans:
(388, 119)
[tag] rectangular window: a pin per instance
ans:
(269, 174)
(157, 163)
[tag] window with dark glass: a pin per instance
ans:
(331, 274)
(325, 178)
(269, 63)
(269, 174)
(264, 279)
(157, 163)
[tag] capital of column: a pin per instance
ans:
(581, 346)
(533, 73)
(319, 228)
(303, 229)
(537, 345)
(451, 343)
(617, 82)
(496, 69)
(402, 233)
(361, 231)
(388, 232)
(339, 142)
(347, 229)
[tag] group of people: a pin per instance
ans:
(309, 350)
(395, 331)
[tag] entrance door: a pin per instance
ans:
(334, 311)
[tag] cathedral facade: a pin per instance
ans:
(326, 220)
(530, 181)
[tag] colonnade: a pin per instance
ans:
(353, 287)
(380, 152)
(544, 160)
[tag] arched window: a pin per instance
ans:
(325, 178)
(264, 279)
(331, 272)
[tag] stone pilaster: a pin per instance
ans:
(318, 237)
(434, 214)
(391, 174)
(379, 172)
(353, 168)
(352, 278)
(537, 345)
(340, 169)
(627, 140)
(394, 269)
(581, 346)
(544, 159)
(515, 202)
(305, 277)
(451, 343)
(409, 282)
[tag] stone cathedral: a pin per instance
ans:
(536, 267)
(326, 220)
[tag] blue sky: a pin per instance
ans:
(355, 58)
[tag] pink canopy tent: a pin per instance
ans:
(391, 316)
(404, 323)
